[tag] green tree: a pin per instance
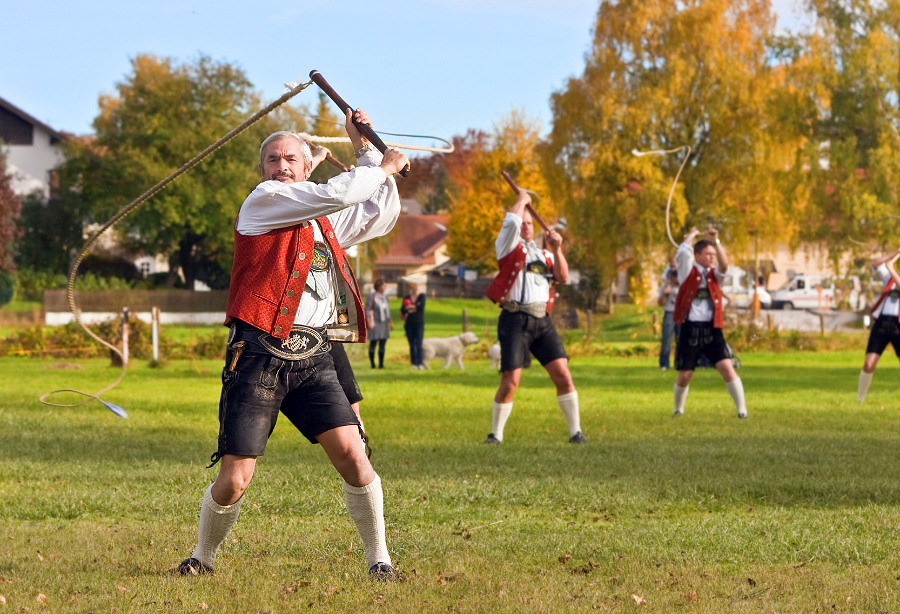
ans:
(162, 115)
(10, 210)
(852, 113)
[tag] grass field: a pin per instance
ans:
(793, 510)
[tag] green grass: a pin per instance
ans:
(793, 510)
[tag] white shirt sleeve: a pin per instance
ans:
(508, 237)
(882, 272)
(274, 204)
(684, 261)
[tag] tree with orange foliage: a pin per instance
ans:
(480, 196)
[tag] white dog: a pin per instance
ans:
(494, 355)
(449, 348)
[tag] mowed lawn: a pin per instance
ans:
(794, 510)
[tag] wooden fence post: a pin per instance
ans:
(155, 318)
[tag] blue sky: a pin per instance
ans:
(436, 67)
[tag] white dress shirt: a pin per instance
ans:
(528, 287)
(702, 310)
(889, 306)
(361, 204)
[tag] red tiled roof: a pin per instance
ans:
(414, 240)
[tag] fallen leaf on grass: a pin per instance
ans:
(638, 599)
(586, 568)
(444, 580)
(331, 591)
(751, 581)
(121, 588)
(2, 599)
(564, 558)
(41, 597)
(203, 606)
(692, 596)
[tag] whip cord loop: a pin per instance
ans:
(662, 152)
(70, 289)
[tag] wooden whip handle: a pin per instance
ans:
(337, 163)
(364, 129)
(518, 190)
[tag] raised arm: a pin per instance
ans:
(393, 159)
(889, 262)
(713, 235)
(560, 265)
(891, 257)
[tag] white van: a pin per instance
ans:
(740, 288)
(805, 292)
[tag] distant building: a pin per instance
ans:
(33, 149)
(417, 245)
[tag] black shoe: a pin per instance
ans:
(192, 567)
(492, 440)
(383, 572)
(578, 438)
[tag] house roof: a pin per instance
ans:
(414, 240)
(31, 120)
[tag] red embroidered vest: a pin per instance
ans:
(510, 266)
(884, 294)
(688, 291)
(269, 274)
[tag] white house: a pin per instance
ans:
(33, 149)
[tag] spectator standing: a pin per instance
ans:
(668, 290)
(378, 319)
(412, 312)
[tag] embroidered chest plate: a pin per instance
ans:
(320, 258)
(538, 267)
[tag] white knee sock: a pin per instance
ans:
(568, 403)
(499, 415)
(680, 397)
(366, 507)
(215, 522)
(736, 390)
(865, 380)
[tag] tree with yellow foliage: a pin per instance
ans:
(662, 75)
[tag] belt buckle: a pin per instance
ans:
(300, 344)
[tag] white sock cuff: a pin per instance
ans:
(212, 506)
(680, 389)
(373, 486)
(502, 406)
(569, 396)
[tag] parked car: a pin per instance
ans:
(813, 292)
(740, 288)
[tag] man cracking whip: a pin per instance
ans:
(887, 320)
(523, 289)
(292, 292)
(700, 313)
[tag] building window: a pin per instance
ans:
(145, 268)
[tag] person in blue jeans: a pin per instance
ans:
(412, 312)
(668, 290)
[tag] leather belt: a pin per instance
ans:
(303, 341)
(537, 310)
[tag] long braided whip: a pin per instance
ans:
(662, 152)
(76, 312)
